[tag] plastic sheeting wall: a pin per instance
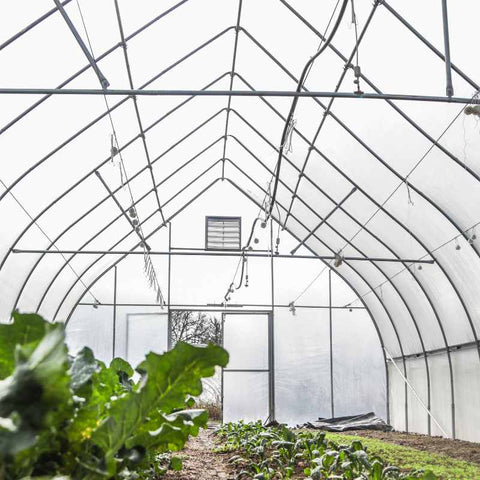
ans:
(460, 410)
(302, 365)
(145, 333)
(138, 331)
(302, 369)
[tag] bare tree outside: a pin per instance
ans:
(201, 328)
(198, 328)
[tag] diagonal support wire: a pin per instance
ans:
(324, 219)
(103, 81)
(137, 111)
(114, 198)
(232, 76)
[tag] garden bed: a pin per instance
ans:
(448, 459)
(457, 449)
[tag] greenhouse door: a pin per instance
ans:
(247, 382)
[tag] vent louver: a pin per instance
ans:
(223, 233)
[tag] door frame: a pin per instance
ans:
(270, 354)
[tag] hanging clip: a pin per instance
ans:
(410, 201)
(357, 72)
(472, 237)
(113, 148)
(338, 260)
(288, 139)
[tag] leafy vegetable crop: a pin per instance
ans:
(267, 453)
(75, 418)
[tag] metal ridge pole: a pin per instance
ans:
(236, 253)
(237, 93)
(221, 306)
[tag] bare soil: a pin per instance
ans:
(457, 449)
(200, 463)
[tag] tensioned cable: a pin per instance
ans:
(301, 81)
(114, 131)
(50, 240)
(405, 181)
(447, 242)
(149, 268)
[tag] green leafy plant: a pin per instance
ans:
(268, 453)
(78, 418)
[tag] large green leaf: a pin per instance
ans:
(38, 390)
(169, 432)
(82, 369)
(93, 406)
(167, 380)
(38, 400)
(27, 330)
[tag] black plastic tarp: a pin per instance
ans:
(367, 421)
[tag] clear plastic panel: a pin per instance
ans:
(467, 393)
(359, 383)
(417, 377)
(145, 333)
(90, 327)
(302, 365)
(441, 393)
(245, 396)
(397, 394)
(245, 338)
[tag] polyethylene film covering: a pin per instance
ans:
(145, 333)
(138, 331)
(467, 388)
(302, 368)
(245, 396)
(245, 337)
(409, 395)
(359, 383)
(418, 395)
(92, 328)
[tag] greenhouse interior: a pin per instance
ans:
(295, 183)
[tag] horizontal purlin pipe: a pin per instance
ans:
(312, 232)
(436, 351)
(218, 305)
(218, 254)
(236, 93)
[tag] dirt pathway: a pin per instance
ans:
(199, 463)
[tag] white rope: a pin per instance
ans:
(416, 394)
